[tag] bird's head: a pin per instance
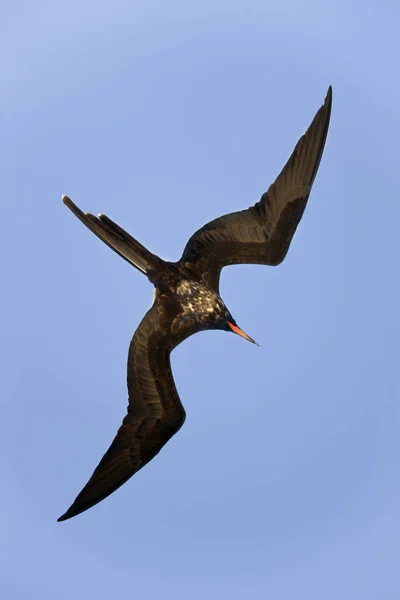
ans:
(228, 323)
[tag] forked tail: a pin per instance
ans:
(118, 239)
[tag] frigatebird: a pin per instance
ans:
(187, 300)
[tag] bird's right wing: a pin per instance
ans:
(262, 233)
(155, 412)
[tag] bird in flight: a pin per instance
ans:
(187, 300)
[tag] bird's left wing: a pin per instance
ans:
(262, 233)
(155, 412)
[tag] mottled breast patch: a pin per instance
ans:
(199, 300)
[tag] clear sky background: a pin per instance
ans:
(284, 482)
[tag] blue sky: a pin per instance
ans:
(284, 481)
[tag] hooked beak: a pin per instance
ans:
(244, 335)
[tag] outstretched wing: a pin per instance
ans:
(262, 233)
(155, 412)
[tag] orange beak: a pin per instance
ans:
(244, 335)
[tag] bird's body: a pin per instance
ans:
(199, 303)
(193, 305)
(187, 300)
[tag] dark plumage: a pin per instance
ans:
(187, 300)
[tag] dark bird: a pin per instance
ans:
(187, 300)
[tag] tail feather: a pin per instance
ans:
(116, 238)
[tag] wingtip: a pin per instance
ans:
(329, 95)
(67, 515)
(63, 517)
